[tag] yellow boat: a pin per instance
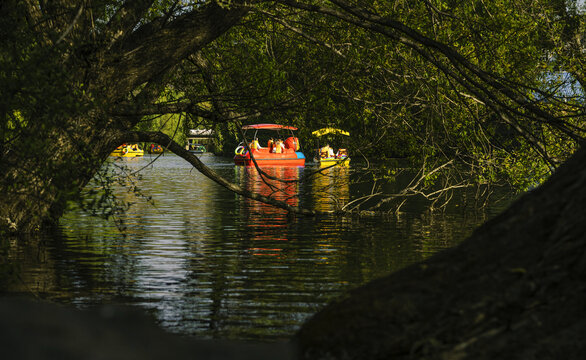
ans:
(325, 155)
(342, 160)
(128, 150)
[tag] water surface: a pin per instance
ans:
(206, 262)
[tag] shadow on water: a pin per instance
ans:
(203, 261)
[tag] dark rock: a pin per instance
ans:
(41, 330)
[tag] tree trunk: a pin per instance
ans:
(57, 150)
(514, 290)
(47, 167)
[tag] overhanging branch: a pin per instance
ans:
(165, 140)
(508, 103)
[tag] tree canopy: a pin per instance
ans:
(470, 92)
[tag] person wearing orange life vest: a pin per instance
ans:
(254, 145)
(279, 148)
(271, 145)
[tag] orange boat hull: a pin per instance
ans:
(265, 158)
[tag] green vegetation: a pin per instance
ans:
(470, 93)
(173, 125)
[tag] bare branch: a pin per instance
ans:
(80, 10)
(301, 33)
(163, 139)
(126, 18)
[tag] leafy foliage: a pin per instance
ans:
(313, 70)
(469, 93)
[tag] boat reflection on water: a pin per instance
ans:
(268, 224)
(331, 188)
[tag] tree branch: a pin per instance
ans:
(126, 19)
(151, 50)
(165, 140)
(489, 88)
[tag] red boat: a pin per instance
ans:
(268, 148)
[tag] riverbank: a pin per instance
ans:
(34, 330)
(515, 289)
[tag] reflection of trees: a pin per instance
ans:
(26, 266)
(108, 260)
(212, 264)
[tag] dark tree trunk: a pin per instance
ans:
(515, 289)
(44, 169)
(55, 154)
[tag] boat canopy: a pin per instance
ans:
(268, 127)
(325, 131)
(201, 132)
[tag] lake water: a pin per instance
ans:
(206, 262)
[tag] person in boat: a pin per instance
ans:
(323, 152)
(279, 148)
(255, 145)
(342, 153)
(326, 152)
(271, 144)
